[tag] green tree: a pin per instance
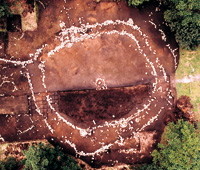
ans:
(46, 157)
(136, 2)
(10, 164)
(4, 9)
(180, 149)
(183, 17)
(146, 167)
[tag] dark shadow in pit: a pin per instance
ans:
(14, 23)
(95, 106)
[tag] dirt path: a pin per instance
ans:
(189, 79)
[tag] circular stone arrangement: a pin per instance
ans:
(69, 36)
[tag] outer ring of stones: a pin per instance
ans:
(67, 42)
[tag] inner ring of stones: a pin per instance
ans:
(126, 98)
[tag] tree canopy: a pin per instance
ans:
(180, 148)
(10, 164)
(46, 157)
(183, 17)
(4, 9)
(136, 2)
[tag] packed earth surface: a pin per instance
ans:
(96, 78)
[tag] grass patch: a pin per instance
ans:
(189, 66)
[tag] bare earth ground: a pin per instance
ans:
(95, 78)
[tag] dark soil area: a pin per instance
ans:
(14, 23)
(91, 105)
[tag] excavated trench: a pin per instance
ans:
(94, 107)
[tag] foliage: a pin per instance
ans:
(181, 147)
(183, 17)
(45, 157)
(146, 167)
(10, 164)
(136, 2)
(4, 9)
